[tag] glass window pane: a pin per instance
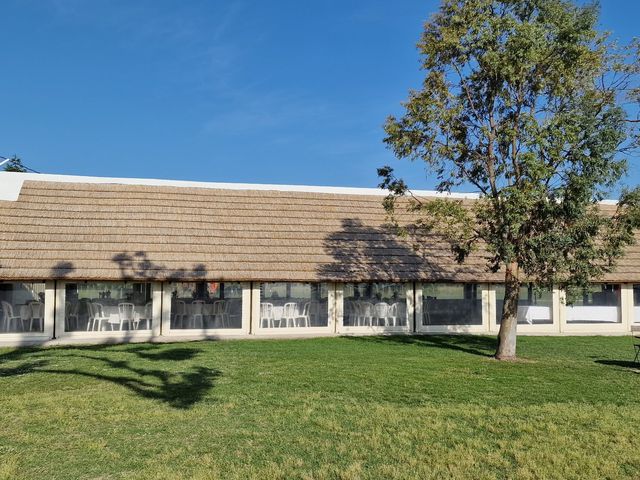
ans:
(534, 308)
(206, 305)
(451, 304)
(108, 306)
(21, 307)
(294, 305)
(374, 305)
(636, 303)
(600, 304)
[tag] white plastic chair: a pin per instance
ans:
(229, 308)
(179, 315)
(126, 314)
(401, 313)
(266, 315)
(290, 314)
(220, 312)
(381, 310)
(304, 316)
(9, 317)
(366, 313)
(357, 305)
(146, 317)
(25, 316)
(71, 316)
(397, 314)
(37, 315)
(90, 317)
(349, 315)
(197, 314)
(96, 317)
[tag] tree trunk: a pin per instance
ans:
(509, 322)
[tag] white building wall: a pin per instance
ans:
(161, 330)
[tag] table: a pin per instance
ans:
(592, 314)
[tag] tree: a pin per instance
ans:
(522, 100)
(14, 165)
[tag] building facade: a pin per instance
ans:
(95, 260)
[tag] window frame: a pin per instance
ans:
(600, 328)
(138, 335)
(542, 328)
(485, 309)
(49, 315)
(244, 329)
(258, 330)
(347, 329)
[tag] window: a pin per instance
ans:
(374, 305)
(108, 306)
(22, 307)
(206, 305)
(294, 305)
(600, 304)
(636, 303)
(451, 304)
(534, 307)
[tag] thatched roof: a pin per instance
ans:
(110, 231)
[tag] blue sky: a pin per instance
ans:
(237, 91)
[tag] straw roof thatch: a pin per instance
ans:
(91, 231)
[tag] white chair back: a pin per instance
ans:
(148, 310)
(25, 312)
(266, 311)
(37, 309)
(228, 305)
(198, 307)
(290, 310)
(181, 307)
(219, 307)
(7, 309)
(96, 310)
(126, 311)
(366, 309)
(381, 309)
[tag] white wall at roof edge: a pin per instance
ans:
(161, 331)
(11, 184)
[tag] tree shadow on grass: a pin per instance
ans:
(624, 364)
(179, 390)
(472, 344)
(23, 368)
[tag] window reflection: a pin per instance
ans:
(451, 304)
(375, 305)
(600, 304)
(108, 306)
(636, 303)
(534, 307)
(21, 307)
(206, 305)
(294, 305)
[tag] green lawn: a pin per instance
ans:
(380, 407)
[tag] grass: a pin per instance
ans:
(343, 408)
